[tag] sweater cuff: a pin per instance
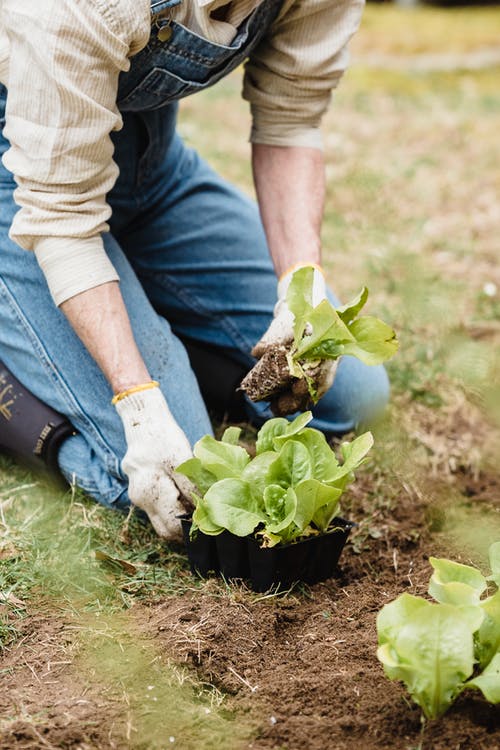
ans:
(72, 266)
(270, 133)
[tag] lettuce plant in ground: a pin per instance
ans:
(290, 489)
(438, 649)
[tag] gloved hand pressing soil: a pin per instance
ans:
(270, 379)
(155, 446)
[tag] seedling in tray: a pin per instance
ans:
(287, 495)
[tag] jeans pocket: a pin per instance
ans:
(157, 88)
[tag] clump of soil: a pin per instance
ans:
(270, 380)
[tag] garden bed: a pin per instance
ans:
(301, 669)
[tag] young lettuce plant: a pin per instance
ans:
(290, 489)
(319, 333)
(326, 332)
(438, 649)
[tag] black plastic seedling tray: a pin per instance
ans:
(311, 560)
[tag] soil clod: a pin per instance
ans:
(270, 380)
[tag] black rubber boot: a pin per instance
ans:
(30, 431)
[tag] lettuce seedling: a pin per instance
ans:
(324, 332)
(435, 647)
(290, 489)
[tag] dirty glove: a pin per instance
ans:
(270, 379)
(155, 446)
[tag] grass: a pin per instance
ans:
(392, 30)
(412, 211)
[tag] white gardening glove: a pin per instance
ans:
(280, 330)
(155, 446)
(270, 379)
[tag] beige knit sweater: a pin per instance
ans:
(60, 60)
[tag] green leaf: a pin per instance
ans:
(292, 465)
(193, 469)
(270, 430)
(325, 324)
(454, 583)
(299, 299)
(494, 556)
(202, 520)
(274, 502)
(296, 426)
(230, 505)
(316, 502)
(327, 349)
(324, 464)
(332, 333)
(255, 473)
(354, 453)
(489, 681)
(285, 507)
(394, 615)
(488, 635)
(231, 435)
(221, 459)
(294, 431)
(373, 341)
(348, 312)
(430, 648)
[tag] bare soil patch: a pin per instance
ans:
(44, 703)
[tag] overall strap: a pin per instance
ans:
(157, 6)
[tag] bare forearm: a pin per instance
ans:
(290, 185)
(100, 319)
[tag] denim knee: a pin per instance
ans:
(359, 395)
(80, 466)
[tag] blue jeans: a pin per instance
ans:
(193, 262)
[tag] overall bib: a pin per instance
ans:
(193, 264)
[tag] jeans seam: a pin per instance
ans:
(112, 461)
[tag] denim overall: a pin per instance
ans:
(177, 62)
(192, 259)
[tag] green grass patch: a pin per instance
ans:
(455, 88)
(70, 549)
(391, 29)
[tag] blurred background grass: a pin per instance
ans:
(413, 211)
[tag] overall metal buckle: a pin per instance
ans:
(161, 19)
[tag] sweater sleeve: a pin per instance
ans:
(291, 74)
(64, 61)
